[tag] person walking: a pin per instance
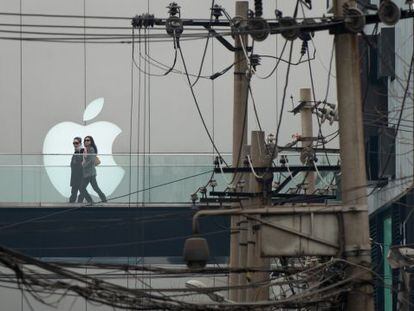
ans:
(89, 170)
(76, 171)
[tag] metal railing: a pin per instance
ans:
(156, 178)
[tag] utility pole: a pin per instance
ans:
(307, 131)
(356, 225)
(258, 184)
(239, 135)
(243, 245)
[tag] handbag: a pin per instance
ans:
(97, 161)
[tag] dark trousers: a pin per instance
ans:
(74, 194)
(94, 184)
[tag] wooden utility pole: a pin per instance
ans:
(239, 133)
(353, 177)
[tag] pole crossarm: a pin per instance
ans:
(274, 194)
(335, 24)
(279, 210)
(278, 169)
(306, 236)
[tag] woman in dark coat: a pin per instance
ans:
(89, 170)
(76, 170)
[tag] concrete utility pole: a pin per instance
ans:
(243, 244)
(353, 178)
(307, 131)
(239, 134)
(257, 184)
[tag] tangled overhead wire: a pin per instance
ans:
(298, 283)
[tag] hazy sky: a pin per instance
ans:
(57, 81)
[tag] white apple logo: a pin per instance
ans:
(58, 150)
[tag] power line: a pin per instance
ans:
(30, 220)
(197, 105)
(205, 47)
(63, 16)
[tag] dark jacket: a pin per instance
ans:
(89, 169)
(76, 168)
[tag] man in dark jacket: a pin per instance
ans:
(76, 171)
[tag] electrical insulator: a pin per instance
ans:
(194, 197)
(304, 47)
(254, 60)
(306, 36)
(216, 162)
(270, 139)
(278, 14)
(216, 11)
(231, 188)
(174, 9)
(283, 160)
(136, 21)
(238, 25)
(174, 26)
(258, 8)
(291, 33)
(323, 110)
(336, 114)
(330, 118)
(258, 28)
(389, 13)
(213, 183)
(319, 114)
(250, 14)
(241, 184)
(354, 19)
(271, 151)
(330, 105)
(330, 113)
(144, 20)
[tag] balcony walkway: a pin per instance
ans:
(155, 233)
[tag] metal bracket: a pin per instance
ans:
(277, 169)
(357, 250)
(224, 42)
(295, 232)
